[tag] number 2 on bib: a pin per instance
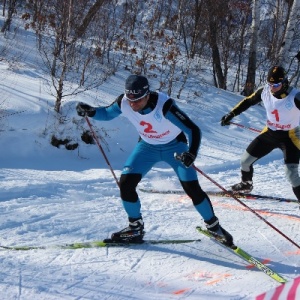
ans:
(148, 127)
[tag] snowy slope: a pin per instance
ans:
(53, 196)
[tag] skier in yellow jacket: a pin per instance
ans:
(282, 104)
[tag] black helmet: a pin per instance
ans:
(136, 87)
(276, 74)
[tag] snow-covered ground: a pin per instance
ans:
(52, 196)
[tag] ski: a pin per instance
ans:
(157, 191)
(251, 196)
(245, 256)
(223, 194)
(97, 244)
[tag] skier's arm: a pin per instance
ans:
(243, 105)
(109, 112)
(175, 115)
(100, 113)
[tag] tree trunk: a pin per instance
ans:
(250, 81)
(284, 56)
(213, 42)
(11, 10)
(88, 18)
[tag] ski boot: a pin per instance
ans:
(134, 233)
(242, 187)
(219, 232)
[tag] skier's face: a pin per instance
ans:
(275, 87)
(139, 104)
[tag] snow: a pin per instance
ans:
(51, 196)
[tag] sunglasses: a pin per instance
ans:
(274, 85)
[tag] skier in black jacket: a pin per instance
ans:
(282, 104)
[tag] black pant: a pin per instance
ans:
(270, 140)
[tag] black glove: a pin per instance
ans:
(85, 110)
(226, 119)
(187, 158)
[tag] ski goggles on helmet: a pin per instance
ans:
(274, 85)
(134, 98)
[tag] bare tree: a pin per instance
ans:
(284, 56)
(213, 21)
(65, 47)
(10, 11)
(189, 26)
(150, 42)
(251, 72)
(150, 37)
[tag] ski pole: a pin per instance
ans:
(178, 156)
(101, 150)
(242, 203)
(249, 128)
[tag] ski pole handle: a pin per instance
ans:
(177, 156)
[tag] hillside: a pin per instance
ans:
(52, 196)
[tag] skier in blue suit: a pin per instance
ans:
(164, 130)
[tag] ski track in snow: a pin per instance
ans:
(190, 271)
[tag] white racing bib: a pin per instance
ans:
(153, 128)
(282, 114)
